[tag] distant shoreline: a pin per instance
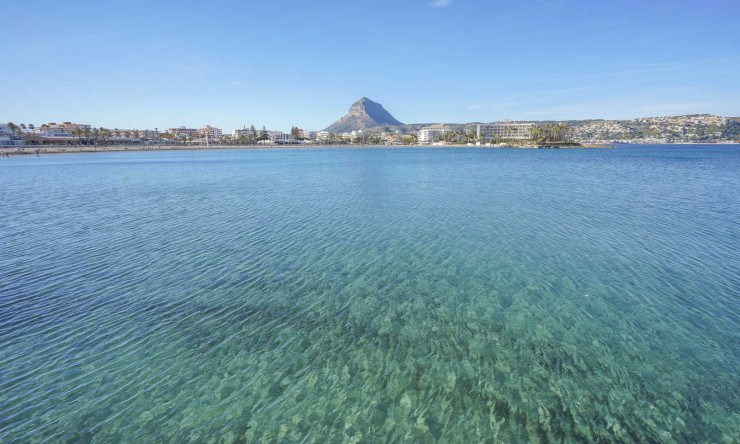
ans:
(32, 150)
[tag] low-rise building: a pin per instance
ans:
(278, 137)
(391, 138)
(59, 133)
(244, 132)
(64, 129)
(183, 132)
(147, 134)
(309, 135)
(344, 137)
(117, 135)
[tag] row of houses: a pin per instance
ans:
(300, 136)
(271, 136)
(52, 132)
(75, 133)
(207, 131)
(78, 133)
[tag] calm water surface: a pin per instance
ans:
(401, 295)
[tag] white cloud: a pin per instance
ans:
(441, 3)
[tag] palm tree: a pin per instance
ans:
(96, 135)
(545, 132)
(535, 133)
(77, 132)
(104, 134)
(561, 130)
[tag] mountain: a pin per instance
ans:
(363, 114)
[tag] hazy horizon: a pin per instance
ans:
(146, 65)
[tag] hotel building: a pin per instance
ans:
(429, 134)
(505, 130)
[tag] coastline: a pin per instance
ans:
(30, 150)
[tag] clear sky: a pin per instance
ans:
(157, 63)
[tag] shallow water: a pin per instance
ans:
(423, 295)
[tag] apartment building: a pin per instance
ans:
(211, 132)
(504, 130)
(429, 134)
(183, 132)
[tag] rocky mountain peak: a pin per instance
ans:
(363, 114)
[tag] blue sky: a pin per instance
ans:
(146, 64)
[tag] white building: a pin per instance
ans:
(211, 132)
(278, 137)
(243, 132)
(64, 129)
(147, 134)
(504, 130)
(309, 135)
(273, 136)
(183, 132)
(354, 136)
(324, 136)
(429, 134)
(6, 135)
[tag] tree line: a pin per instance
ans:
(94, 136)
(552, 132)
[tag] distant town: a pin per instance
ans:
(368, 123)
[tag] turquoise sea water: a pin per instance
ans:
(371, 295)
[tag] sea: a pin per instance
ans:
(451, 295)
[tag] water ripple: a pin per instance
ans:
(371, 295)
